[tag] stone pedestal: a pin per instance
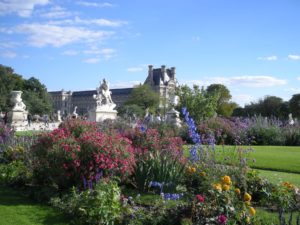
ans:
(17, 117)
(173, 117)
(103, 112)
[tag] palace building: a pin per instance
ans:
(161, 80)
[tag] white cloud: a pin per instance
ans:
(135, 69)
(92, 60)
(298, 78)
(268, 58)
(88, 22)
(242, 99)
(23, 8)
(41, 35)
(56, 12)
(8, 44)
(294, 57)
(94, 4)
(255, 81)
(70, 52)
(293, 90)
(107, 53)
(246, 81)
(8, 54)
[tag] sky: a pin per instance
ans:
(250, 46)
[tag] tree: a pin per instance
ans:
(269, 106)
(224, 106)
(144, 97)
(294, 105)
(199, 104)
(35, 95)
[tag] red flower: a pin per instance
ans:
(222, 219)
(200, 198)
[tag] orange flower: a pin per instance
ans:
(237, 191)
(217, 186)
(226, 180)
(247, 197)
(202, 174)
(252, 211)
(225, 187)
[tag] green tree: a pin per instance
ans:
(199, 104)
(268, 106)
(35, 94)
(294, 105)
(144, 97)
(224, 106)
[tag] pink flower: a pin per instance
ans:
(200, 198)
(222, 219)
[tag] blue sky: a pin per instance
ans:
(251, 46)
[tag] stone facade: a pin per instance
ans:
(162, 81)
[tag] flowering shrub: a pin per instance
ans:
(223, 204)
(70, 154)
(159, 158)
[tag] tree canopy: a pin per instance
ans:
(199, 103)
(224, 106)
(35, 95)
(294, 105)
(141, 98)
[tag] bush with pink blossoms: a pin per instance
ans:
(76, 152)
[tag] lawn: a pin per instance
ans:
(277, 158)
(17, 209)
(278, 177)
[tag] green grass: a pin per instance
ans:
(278, 177)
(277, 158)
(16, 209)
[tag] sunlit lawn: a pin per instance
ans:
(16, 209)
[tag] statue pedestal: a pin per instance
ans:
(17, 119)
(173, 117)
(103, 112)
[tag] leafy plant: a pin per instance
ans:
(100, 205)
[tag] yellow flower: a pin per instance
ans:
(202, 174)
(288, 185)
(247, 197)
(252, 211)
(237, 191)
(248, 203)
(225, 187)
(226, 180)
(248, 220)
(191, 169)
(217, 186)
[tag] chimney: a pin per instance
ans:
(173, 72)
(163, 73)
(150, 74)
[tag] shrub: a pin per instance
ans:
(159, 158)
(76, 151)
(98, 206)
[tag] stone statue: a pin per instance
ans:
(104, 105)
(291, 121)
(75, 114)
(17, 101)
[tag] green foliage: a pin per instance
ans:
(130, 111)
(200, 104)
(144, 97)
(269, 106)
(14, 173)
(98, 206)
(294, 105)
(35, 94)
(224, 106)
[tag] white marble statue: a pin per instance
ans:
(75, 114)
(17, 101)
(291, 121)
